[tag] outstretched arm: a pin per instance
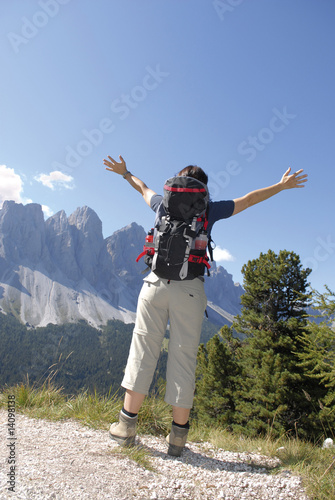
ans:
(121, 169)
(287, 182)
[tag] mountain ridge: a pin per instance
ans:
(63, 270)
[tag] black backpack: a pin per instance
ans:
(177, 250)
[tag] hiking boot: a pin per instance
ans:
(176, 440)
(124, 431)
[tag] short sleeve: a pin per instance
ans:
(155, 201)
(219, 210)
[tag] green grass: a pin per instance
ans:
(136, 453)
(315, 465)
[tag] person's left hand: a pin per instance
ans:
(115, 166)
(294, 180)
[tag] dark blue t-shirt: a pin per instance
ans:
(217, 210)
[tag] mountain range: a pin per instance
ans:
(62, 270)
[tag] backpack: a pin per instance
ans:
(176, 249)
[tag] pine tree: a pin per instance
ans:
(217, 369)
(271, 396)
(318, 354)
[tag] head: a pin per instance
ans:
(194, 171)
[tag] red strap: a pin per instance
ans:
(184, 190)
(146, 251)
(205, 223)
(199, 260)
(199, 219)
(141, 255)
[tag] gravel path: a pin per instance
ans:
(64, 460)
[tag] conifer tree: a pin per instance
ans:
(318, 354)
(271, 396)
(217, 369)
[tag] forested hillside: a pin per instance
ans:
(75, 356)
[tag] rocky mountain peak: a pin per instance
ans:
(86, 221)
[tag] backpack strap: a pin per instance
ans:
(189, 236)
(210, 241)
(211, 246)
(162, 228)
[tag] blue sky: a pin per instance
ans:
(242, 88)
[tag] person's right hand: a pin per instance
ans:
(115, 166)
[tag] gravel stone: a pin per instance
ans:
(65, 460)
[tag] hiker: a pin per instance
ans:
(178, 297)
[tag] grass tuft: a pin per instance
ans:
(49, 402)
(138, 454)
(155, 416)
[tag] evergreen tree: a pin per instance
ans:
(270, 395)
(217, 369)
(318, 354)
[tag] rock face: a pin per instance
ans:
(22, 233)
(63, 270)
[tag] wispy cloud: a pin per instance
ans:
(55, 179)
(11, 188)
(47, 211)
(11, 185)
(222, 254)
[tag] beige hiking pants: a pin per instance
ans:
(183, 303)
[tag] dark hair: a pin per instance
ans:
(194, 171)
